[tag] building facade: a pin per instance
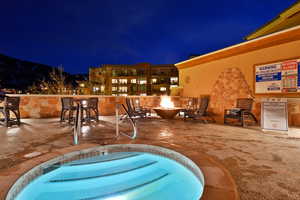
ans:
(236, 71)
(140, 79)
(288, 18)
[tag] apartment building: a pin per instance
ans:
(140, 79)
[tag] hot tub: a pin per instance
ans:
(113, 172)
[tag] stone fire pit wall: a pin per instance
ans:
(47, 106)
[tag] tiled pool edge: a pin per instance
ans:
(9, 176)
(37, 171)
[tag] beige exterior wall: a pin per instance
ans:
(217, 79)
(199, 79)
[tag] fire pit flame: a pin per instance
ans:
(166, 102)
(167, 109)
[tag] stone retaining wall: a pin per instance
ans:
(47, 106)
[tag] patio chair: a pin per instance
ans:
(11, 105)
(132, 120)
(2, 96)
(92, 106)
(135, 111)
(67, 106)
(192, 104)
(242, 111)
(136, 105)
(198, 110)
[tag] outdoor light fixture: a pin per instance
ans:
(84, 103)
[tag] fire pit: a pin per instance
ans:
(167, 110)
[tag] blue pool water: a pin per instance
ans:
(116, 176)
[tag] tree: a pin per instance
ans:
(55, 85)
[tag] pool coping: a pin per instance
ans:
(219, 183)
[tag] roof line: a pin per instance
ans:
(240, 44)
(272, 20)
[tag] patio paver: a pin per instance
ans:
(264, 166)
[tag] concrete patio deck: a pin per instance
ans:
(264, 166)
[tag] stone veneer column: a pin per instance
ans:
(230, 85)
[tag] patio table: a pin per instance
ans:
(83, 103)
(87, 107)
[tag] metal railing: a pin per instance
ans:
(131, 120)
(77, 124)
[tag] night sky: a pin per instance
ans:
(82, 33)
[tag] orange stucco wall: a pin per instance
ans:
(203, 79)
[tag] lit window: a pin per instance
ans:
(81, 84)
(133, 80)
(174, 79)
(123, 89)
(173, 86)
(95, 89)
(123, 81)
(154, 80)
(163, 89)
(123, 94)
(102, 88)
(143, 82)
(143, 94)
(114, 80)
(114, 89)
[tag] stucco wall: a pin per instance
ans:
(215, 78)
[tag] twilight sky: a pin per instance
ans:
(83, 33)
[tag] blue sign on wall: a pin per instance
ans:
(298, 74)
(269, 77)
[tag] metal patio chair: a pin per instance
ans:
(198, 110)
(11, 105)
(92, 107)
(67, 107)
(132, 120)
(192, 104)
(134, 110)
(2, 96)
(136, 104)
(240, 112)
